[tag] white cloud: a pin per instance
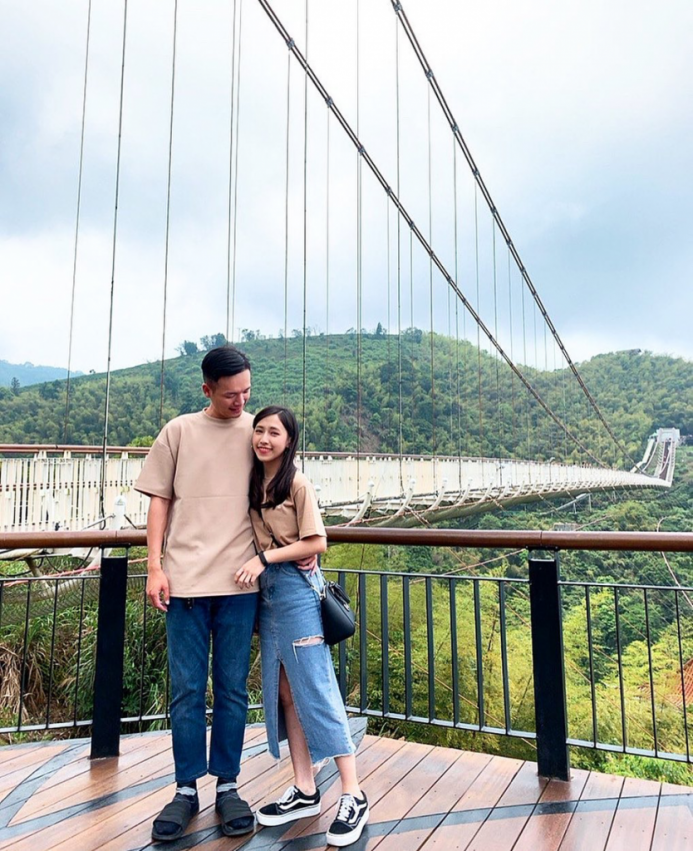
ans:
(577, 114)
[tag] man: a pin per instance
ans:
(197, 475)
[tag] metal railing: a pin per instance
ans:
(471, 653)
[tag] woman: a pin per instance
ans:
(301, 696)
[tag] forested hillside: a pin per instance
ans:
(637, 391)
(453, 398)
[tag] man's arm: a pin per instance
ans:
(157, 522)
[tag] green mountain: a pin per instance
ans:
(418, 394)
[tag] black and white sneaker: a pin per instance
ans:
(292, 805)
(352, 816)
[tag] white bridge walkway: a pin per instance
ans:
(44, 488)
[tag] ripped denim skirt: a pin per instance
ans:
(291, 635)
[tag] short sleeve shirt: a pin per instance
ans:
(202, 464)
(296, 518)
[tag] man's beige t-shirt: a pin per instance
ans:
(296, 518)
(202, 465)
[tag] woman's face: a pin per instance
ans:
(270, 439)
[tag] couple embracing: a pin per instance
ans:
(242, 530)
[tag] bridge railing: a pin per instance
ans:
(44, 488)
(556, 663)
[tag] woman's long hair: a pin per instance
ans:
(280, 486)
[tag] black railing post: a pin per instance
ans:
(110, 641)
(548, 668)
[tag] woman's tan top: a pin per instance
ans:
(296, 518)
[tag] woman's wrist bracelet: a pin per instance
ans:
(263, 559)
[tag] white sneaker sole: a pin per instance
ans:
(270, 821)
(340, 840)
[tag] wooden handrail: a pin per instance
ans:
(670, 542)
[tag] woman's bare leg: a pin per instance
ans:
(298, 749)
(348, 776)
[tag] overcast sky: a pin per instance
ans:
(578, 115)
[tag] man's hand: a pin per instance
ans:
(157, 588)
(309, 563)
(248, 574)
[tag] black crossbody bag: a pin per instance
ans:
(338, 620)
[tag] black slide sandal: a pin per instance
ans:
(231, 808)
(179, 812)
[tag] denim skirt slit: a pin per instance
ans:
(290, 623)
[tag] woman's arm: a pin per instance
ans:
(306, 547)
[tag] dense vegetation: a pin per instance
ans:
(468, 402)
(637, 391)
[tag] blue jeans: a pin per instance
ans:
(229, 620)
(289, 616)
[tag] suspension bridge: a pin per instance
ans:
(361, 215)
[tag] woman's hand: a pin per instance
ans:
(248, 574)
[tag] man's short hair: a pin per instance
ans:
(223, 361)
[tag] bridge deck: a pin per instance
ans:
(52, 797)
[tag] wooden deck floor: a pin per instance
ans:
(437, 799)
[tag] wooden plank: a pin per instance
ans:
(674, 826)
(96, 828)
(504, 825)
(594, 814)
(96, 782)
(452, 785)
(549, 822)
(633, 825)
(600, 786)
(561, 790)
(414, 787)
(22, 766)
(10, 752)
(469, 813)
(674, 789)
(85, 780)
(435, 804)
(490, 785)
(526, 787)
(637, 787)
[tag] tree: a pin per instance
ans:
(15, 385)
(49, 390)
(142, 440)
(187, 347)
(213, 341)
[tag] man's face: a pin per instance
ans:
(227, 397)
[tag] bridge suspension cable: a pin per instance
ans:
(414, 229)
(168, 214)
(107, 401)
(433, 83)
(77, 223)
